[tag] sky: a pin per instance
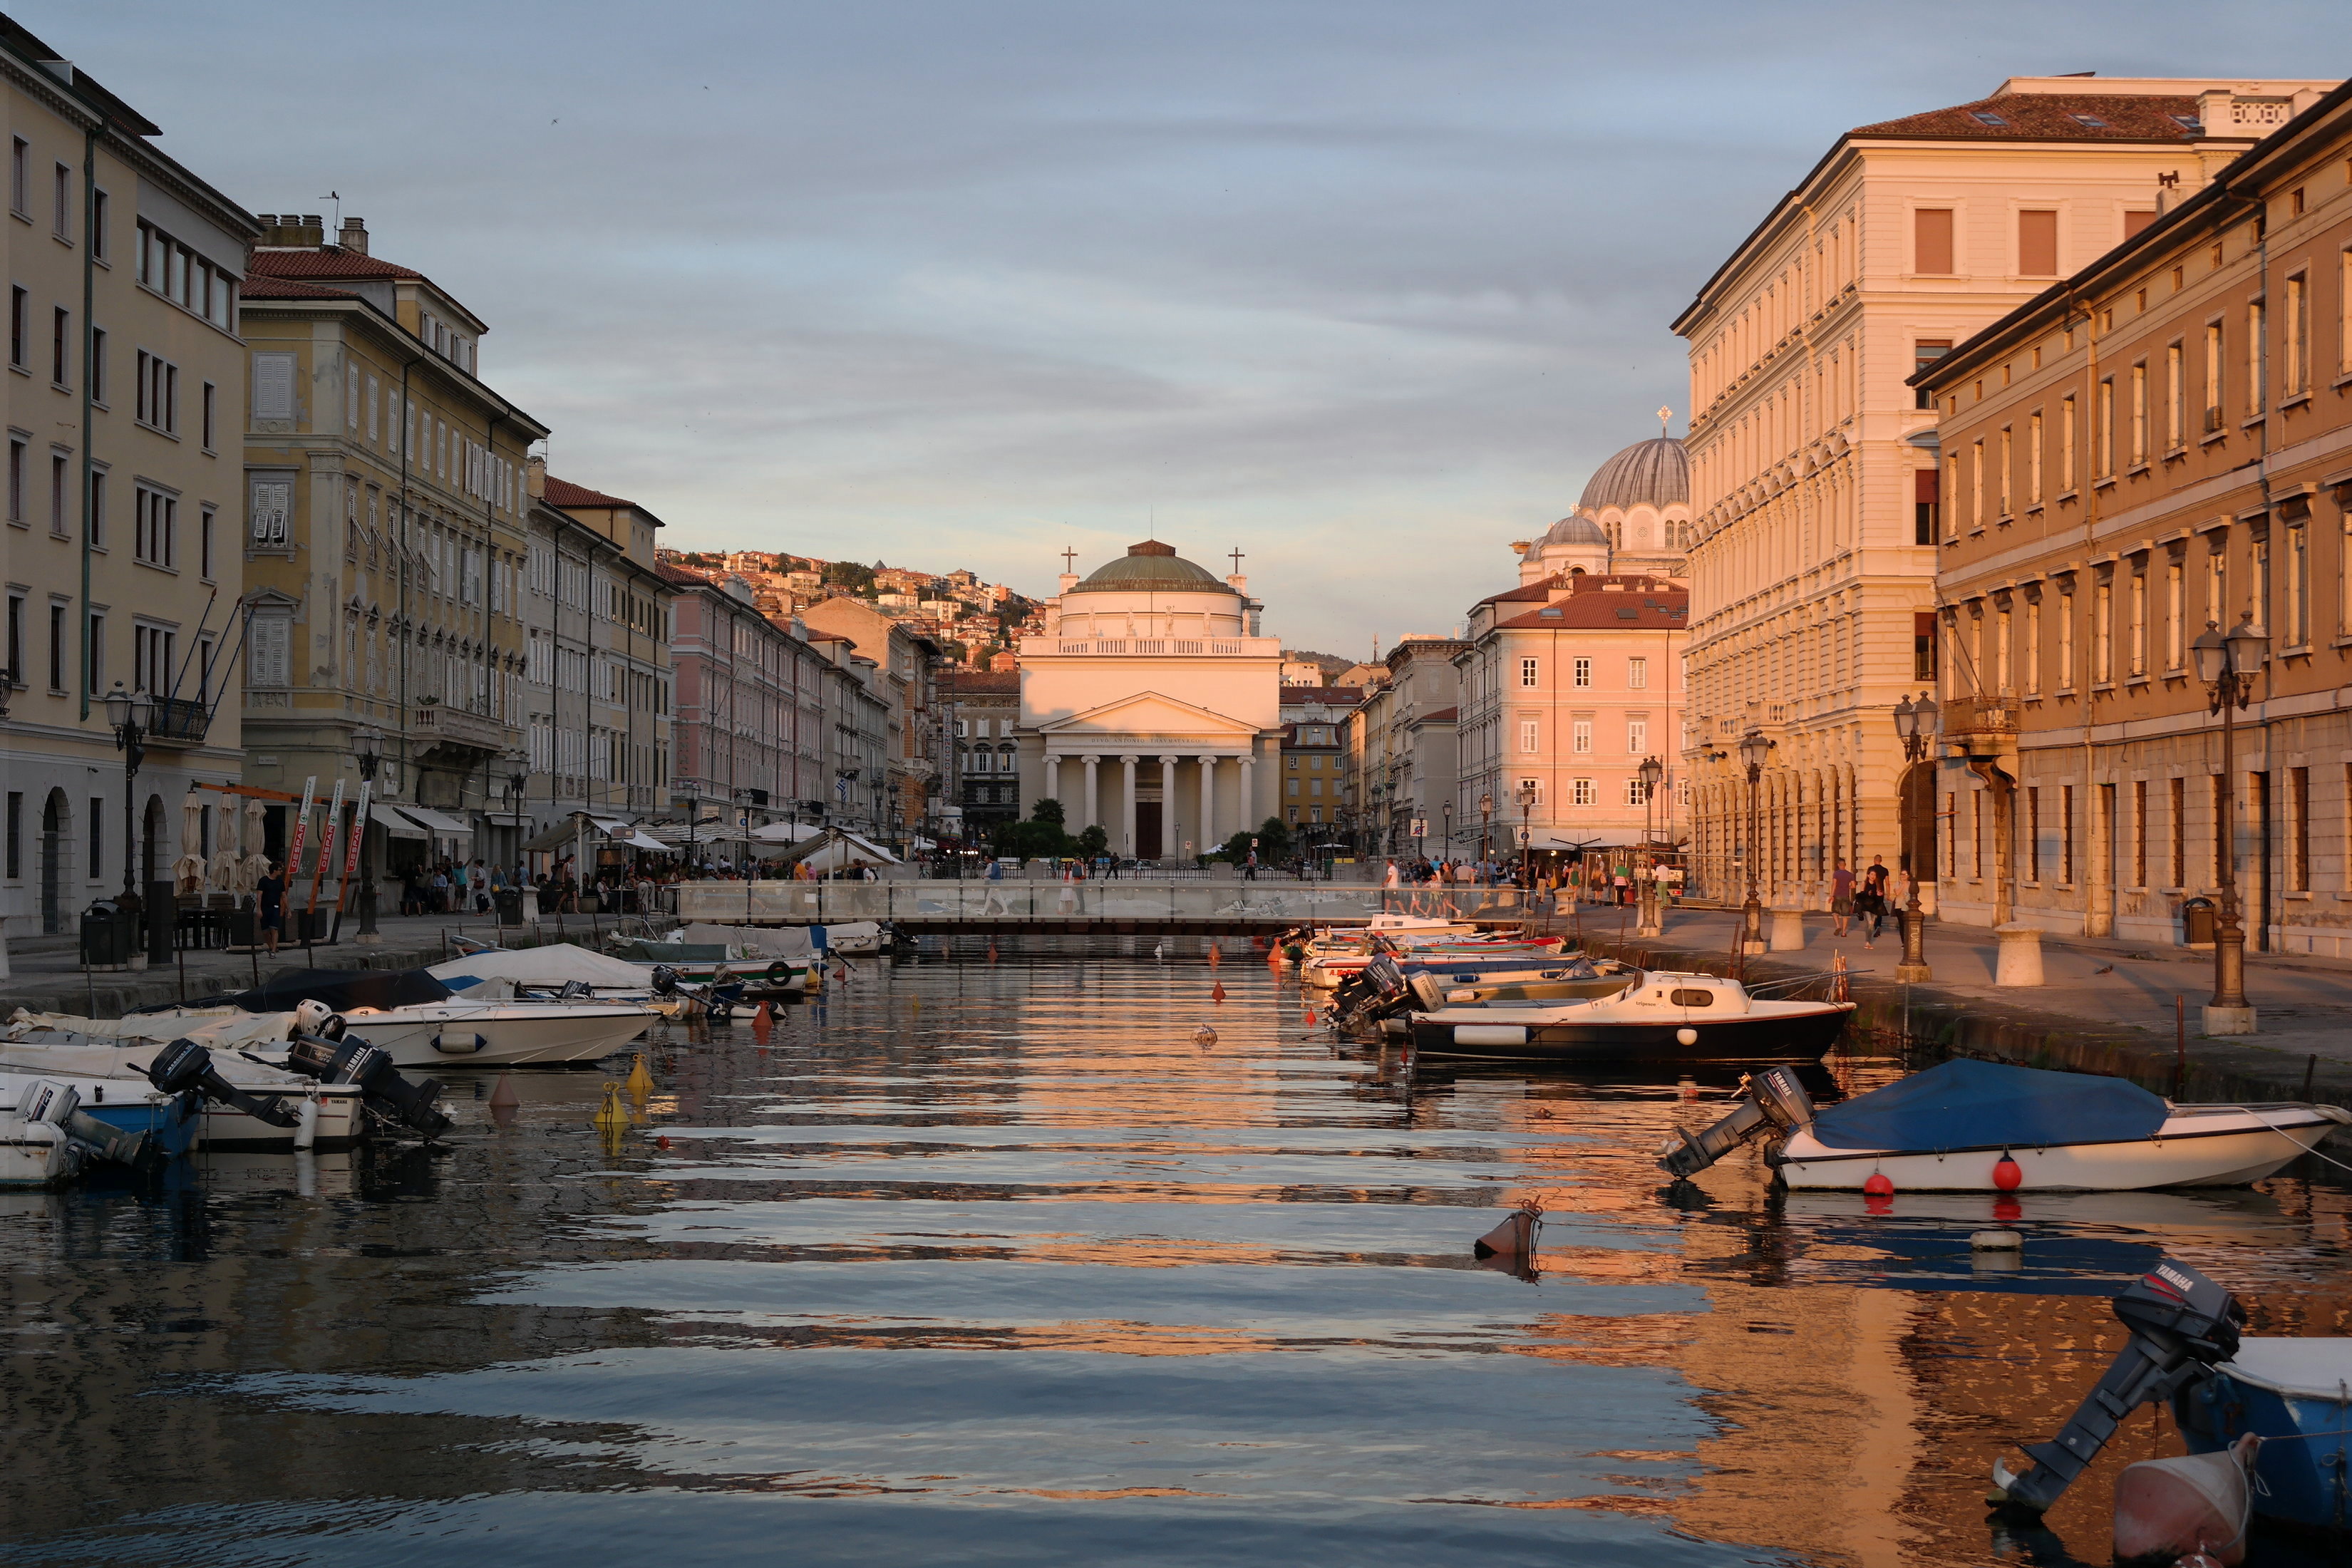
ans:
(1364, 289)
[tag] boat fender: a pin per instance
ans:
(1686, 1036)
(2193, 1509)
(1996, 1241)
(450, 1044)
(780, 972)
(1515, 1238)
(305, 1129)
(2007, 1174)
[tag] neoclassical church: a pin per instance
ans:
(1634, 517)
(1152, 704)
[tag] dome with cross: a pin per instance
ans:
(1151, 567)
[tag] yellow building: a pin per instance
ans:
(384, 541)
(1814, 465)
(120, 551)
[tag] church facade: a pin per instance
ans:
(1151, 706)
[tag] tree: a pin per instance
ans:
(1093, 841)
(1049, 810)
(1274, 845)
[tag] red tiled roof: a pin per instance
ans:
(1324, 694)
(2049, 117)
(982, 683)
(670, 573)
(327, 261)
(262, 288)
(563, 493)
(1608, 612)
(1442, 716)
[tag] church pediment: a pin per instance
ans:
(1148, 716)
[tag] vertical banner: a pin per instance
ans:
(351, 852)
(299, 832)
(326, 853)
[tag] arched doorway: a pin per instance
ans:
(56, 843)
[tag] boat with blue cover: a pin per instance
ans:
(2296, 1395)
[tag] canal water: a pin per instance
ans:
(1009, 1262)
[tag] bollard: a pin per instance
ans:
(2020, 954)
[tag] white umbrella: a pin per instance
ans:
(255, 865)
(189, 868)
(225, 857)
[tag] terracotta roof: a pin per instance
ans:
(1442, 716)
(327, 261)
(2049, 117)
(1606, 612)
(681, 575)
(563, 493)
(289, 289)
(982, 683)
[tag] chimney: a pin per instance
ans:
(535, 476)
(353, 236)
(313, 233)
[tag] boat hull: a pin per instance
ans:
(1803, 1038)
(500, 1034)
(2307, 1456)
(35, 1155)
(2178, 1155)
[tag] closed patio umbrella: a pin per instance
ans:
(188, 871)
(254, 865)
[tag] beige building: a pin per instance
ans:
(1814, 469)
(384, 541)
(906, 676)
(2161, 443)
(125, 492)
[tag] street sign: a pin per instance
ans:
(1421, 828)
(1526, 837)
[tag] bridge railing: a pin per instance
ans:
(984, 903)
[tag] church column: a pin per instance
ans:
(1087, 805)
(1209, 801)
(1248, 760)
(1127, 804)
(1053, 790)
(1169, 848)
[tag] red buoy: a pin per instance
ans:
(1217, 992)
(2006, 1173)
(1879, 1185)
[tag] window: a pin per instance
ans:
(60, 346)
(2298, 805)
(1922, 506)
(1637, 736)
(2136, 638)
(211, 415)
(272, 502)
(2212, 377)
(1530, 735)
(1583, 672)
(156, 528)
(1581, 791)
(61, 218)
(2103, 433)
(2066, 833)
(96, 837)
(158, 403)
(2103, 632)
(97, 514)
(98, 365)
(2037, 244)
(2031, 662)
(2257, 357)
(2175, 627)
(57, 646)
(273, 386)
(371, 407)
(1636, 792)
(16, 835)
(2140, 833)
(17, 192)
(19, 308)
(1923, 645)
(2066, 420)
(1931, 240)
(2176, 399)
(98, 226)
(2066, 640)
(1637, 673)
(61, 491)
(205, 543)
(152, 649)
(2138, 415)
(2033, 836)
(1926, 353)
(2033, 460)
(2007, 454)
(1580, 735)
(350, 397)
(1529, 672)
(19, 455)
(2296, 339)
(2298, 581)
(95, 652)
(1975, 484)
(14, 672)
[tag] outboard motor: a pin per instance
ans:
(665, 980)
(1772, 1098)
(575, 991)
(183, 1066)
(2182, 1324)
(318, 1018)
(389, 1094)
(58, 1105)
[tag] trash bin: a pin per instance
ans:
(109, 936)
(509, 906)
(2197, 922)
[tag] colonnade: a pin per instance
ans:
(1215, 820)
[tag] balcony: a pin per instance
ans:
(1981, 726)
(178, 722)
(1153, 647)
(436, 724)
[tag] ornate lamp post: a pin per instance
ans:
(1650, 771)
(128, 713)
(2227, 665)
(1447, 808)
(1915, 723)
(1486, 825)
(367, 748)
(1526, 835)
(1753, 749)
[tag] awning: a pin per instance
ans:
(507, 819)
(435, 821)
(610, 827)
(392, 823)
(637, 840)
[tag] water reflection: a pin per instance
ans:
(986, 1262)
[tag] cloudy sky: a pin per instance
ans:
(1366, 289)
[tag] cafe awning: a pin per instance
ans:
(395, 824)
(435, 821)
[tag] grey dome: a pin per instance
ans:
(1575, 528)
(1655, 472)
(1151, 567)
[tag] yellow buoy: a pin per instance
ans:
(641, 1082)
(611, 1116)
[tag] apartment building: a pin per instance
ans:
(2159, 444)
(121, 546)
(1815, 479)
(384, 543)
(907, 665)
(982, 710)
(755, 708)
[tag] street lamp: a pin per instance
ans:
(1526, 835)
(128, 713)
(2228, 664)
(1753, 749)
(1447, 807)
(1650, 771)
(1486, 825)
(1915, 723)
(367, 747)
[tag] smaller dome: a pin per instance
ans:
(1574, 529)
(1151, 567)
(1655, 472)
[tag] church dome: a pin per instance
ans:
(1573, 530)
(1655, 472)
(1151, 567)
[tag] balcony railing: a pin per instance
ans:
(435, 722)
(1154, 647)
(178, 722)
(1968, 719)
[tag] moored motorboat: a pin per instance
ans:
(1973, 1126)
(1654, 1015)
(111, 1077)
(2297, 1396)
(418, 1021)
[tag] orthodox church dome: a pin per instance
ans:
(1655, 472)
(1575, 528)
(1151, 567)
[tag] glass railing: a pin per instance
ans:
(980, 902)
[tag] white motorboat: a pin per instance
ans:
(1972, 1126)
(109, 1075)
(1651, 1015)
(36, 1150)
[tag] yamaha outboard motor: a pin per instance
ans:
(184, 1066)
(665, 980)
(1772, 1099)
(389, 1094)
(2181, 1323)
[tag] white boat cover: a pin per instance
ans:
(2298, 1368)
(768, 942)
(549, 966)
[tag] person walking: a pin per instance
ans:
(1872, 904)
(1841, 898)
(270, 894)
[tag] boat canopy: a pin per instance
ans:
(1966, 1104)
(2294, 1369)
(341, 989)
(551, 965)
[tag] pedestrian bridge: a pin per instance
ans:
(1108, 905)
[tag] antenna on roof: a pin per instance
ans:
(336, 197)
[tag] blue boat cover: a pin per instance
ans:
(1965, 1104)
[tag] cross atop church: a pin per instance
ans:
(1236, 553)
(1069, 560)
(1665, 420)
